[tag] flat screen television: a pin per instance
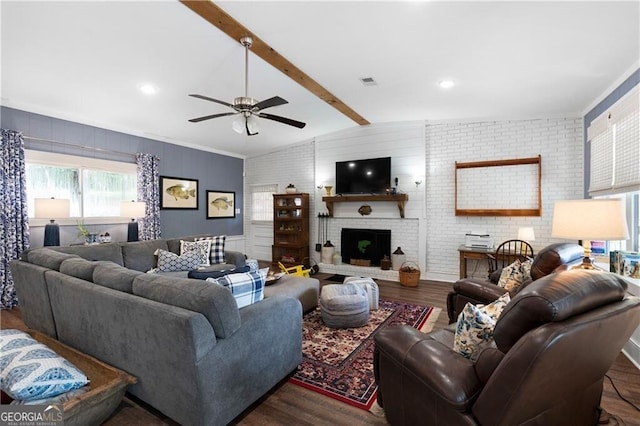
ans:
(370, 176)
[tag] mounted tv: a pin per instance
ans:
(371, 176)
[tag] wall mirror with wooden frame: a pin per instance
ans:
(499, 187)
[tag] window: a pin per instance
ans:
(262, 201)
(95, 188)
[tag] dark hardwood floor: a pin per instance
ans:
(289, 404)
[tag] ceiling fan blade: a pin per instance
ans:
(207, 117)
(206, 98)
(284, 120)
(268, 103)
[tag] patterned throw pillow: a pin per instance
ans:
(30, 370)
(217, 248)
(474, 329)
(203, 247)
(171, 262)
(514, 275)
(247, 288)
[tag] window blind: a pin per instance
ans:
(262, 201)
(615, 147)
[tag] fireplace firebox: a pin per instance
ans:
(368, 245)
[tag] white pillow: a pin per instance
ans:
(217, 248)
(171, 262)
(514, 275)
(202, 247)
(474, 329)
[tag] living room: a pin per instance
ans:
(423, 153)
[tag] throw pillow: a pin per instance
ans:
(30, 370)
(474, 329)
(203, 247)
(217, 248)
(514, 275)
(247, 288)
(171, 262)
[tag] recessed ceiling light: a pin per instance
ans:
(446, 84)
(147, 89)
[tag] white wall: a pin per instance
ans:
(430, 233)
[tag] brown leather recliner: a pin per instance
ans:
(553, 258)
(553, 344)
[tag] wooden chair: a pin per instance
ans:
(507, 253)
(294, 270)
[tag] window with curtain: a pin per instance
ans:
(95, 187)
(614, 138)
(262, 201)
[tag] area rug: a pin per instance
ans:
(339, 362)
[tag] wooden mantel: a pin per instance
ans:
(400, 199)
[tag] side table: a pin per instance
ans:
(474, 253)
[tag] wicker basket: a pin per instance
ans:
(409, 274)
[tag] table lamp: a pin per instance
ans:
(51, 208)
(133, 209)
(592, 219)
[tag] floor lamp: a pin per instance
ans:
(593, 219)
(133, 209)
(51, 208)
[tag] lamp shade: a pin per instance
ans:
(526, 233)
(593, 219)
(133, 209)
(51, 208)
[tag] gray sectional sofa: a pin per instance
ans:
(198, 358)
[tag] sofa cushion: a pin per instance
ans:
(170, 262)
(30, 370)
(108, 251)
(203, 248)
(474, 330)
(114, 276)
(139, 255)
(214, 302)
(80, 268)
(49, 258)
(247, 288)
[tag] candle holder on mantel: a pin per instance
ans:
(328, 189)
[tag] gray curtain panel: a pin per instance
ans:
(149, 192)
(14, 219)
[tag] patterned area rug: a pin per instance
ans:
(339, 362)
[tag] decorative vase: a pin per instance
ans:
(327, 252)
(385, 263)
(397, 259)
(328, 189)
(337, 259)
(291, 190)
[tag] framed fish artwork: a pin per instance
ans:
(221, 204)
(178, 193)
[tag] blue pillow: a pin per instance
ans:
(30, 370)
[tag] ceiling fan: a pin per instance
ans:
(247, 107)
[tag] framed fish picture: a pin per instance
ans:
(178, 193)
(221, 204)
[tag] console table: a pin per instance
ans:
(474, 253)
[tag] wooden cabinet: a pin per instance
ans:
(290, 228)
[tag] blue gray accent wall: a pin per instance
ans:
(213, 171)
(632, 81)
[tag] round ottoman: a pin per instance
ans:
(344, 305)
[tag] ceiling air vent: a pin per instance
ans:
(368, 81)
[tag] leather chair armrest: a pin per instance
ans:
(441, 372)
(486, 363)
(483, 291)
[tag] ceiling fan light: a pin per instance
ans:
(238, 124)
(252, 126)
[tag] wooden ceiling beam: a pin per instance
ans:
(234, 29)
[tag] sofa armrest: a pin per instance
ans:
(234, 258)
(404, 354)
(483, 291)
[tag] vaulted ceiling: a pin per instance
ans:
(85, 62)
